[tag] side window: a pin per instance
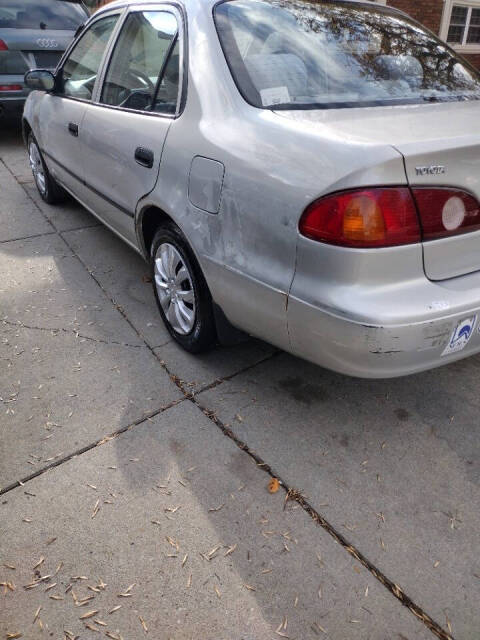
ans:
(145, 53)
(167, 95)
(79, 71)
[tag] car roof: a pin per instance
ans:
(209, 3)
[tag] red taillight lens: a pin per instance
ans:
(383, 217)
(3, 46)
(10, 87)
(446, 212)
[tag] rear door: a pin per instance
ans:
(62, 112)
(124, 129)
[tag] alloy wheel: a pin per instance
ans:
(37, 167)
(175, 290)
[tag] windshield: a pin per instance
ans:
(291, 54)
(41, 14)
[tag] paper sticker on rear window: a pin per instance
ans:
(275, 95)
(461, 336)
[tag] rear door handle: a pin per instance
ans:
(144, 157)
(73, 129)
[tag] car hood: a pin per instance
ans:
(441, 147)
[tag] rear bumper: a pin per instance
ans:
(11, 107)
(378, 316)
(12, 102)
(376, 351)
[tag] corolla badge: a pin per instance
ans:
(432, 170)
(47, 43)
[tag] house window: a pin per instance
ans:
(464, 26)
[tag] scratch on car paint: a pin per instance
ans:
(381, 352)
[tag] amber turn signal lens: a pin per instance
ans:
(363, 220)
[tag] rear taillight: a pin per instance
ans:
(446, 212)
(10, 87)
(378, 217)
(3, 46)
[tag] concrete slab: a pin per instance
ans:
(177, 519)
(393, 465)
(200, 370)
(125, 276)
(71, 368)
(44, 285)
(66, 216)
(19, 217)
(13, 151)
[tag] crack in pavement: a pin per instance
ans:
(90, 446)
(291, 493)
(35, 235)
(21, 325)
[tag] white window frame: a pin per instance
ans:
(446, 19)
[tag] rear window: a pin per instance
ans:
(291, 54)
(41, 14)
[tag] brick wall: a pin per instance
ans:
(474, 58)
(428, 12)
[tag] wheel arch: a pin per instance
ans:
(148, 220)
(26, 129)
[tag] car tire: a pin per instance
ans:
(181, 291)
(47, 187)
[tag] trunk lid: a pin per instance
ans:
(32, 49)
(441, 147)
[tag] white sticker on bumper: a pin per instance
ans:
(461, 336)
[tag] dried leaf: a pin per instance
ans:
(100, 622)
(230, 550)
(89, 614)
(217, 508)
(274, 485)
(96, 509)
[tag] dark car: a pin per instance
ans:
(33, 34)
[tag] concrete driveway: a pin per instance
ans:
(134, 477)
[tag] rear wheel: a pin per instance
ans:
(181, 292)
(47, 187)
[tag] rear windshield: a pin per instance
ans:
(291, 54)
(41, 14)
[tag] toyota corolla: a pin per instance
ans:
(307, 173)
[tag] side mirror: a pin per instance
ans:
(40, 79)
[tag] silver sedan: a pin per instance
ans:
(305, 173)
